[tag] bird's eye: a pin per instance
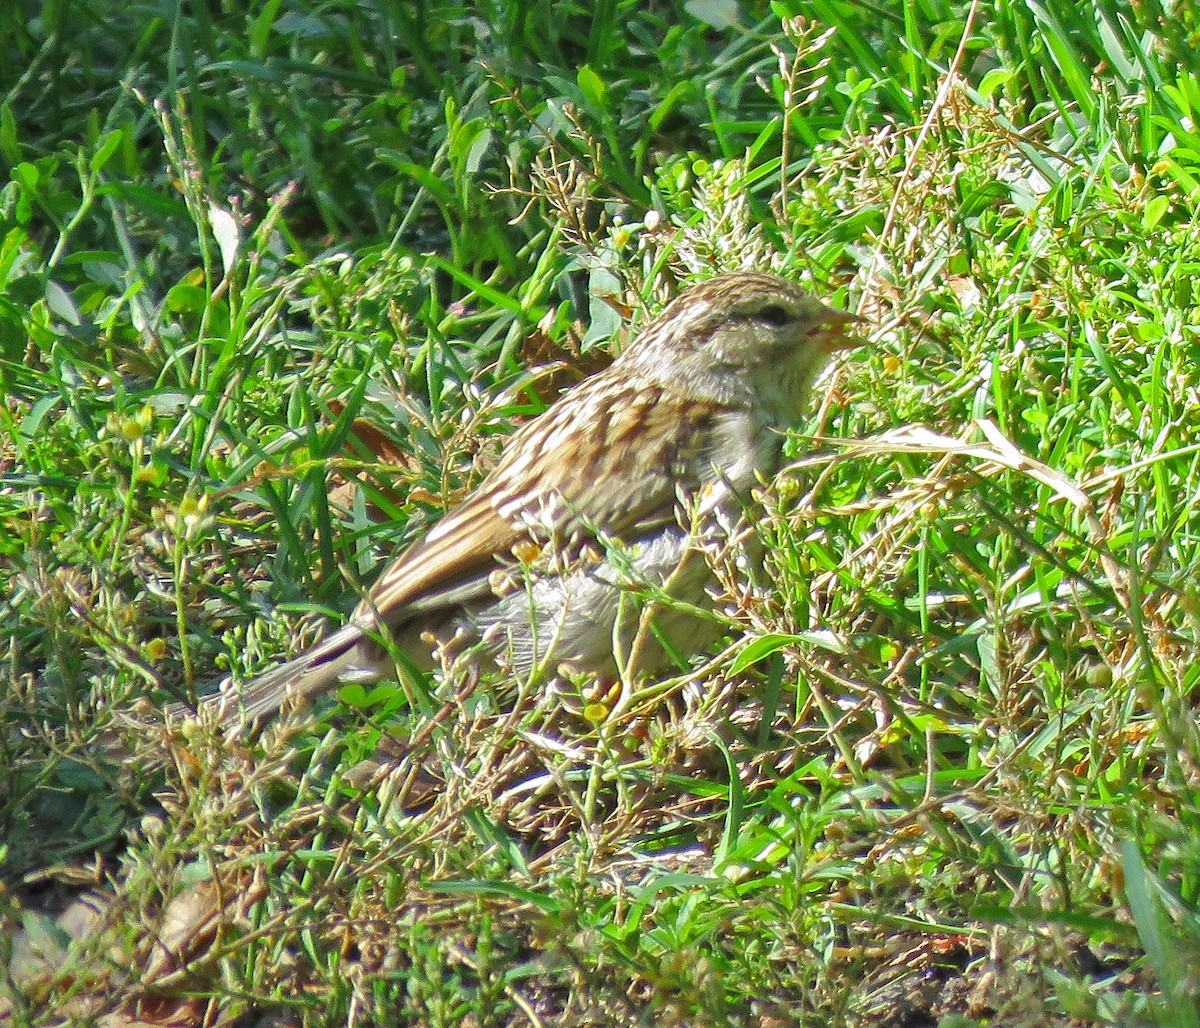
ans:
(773, 315)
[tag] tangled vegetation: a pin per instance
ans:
(275, 284)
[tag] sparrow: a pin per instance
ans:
(585, 551)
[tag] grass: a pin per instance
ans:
(274, 287)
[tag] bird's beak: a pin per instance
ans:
(837, 331)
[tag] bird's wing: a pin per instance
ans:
(606, 463)
(594, 465)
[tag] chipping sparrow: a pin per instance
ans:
(611, 494)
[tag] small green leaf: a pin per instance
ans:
(1154, 211)
(10, 148)
(260, 29)
(993, 80)
(667, 104)
(60, 303)
(595, 93)
(480, 887)
(106, 150)
(759, 648)
(31, 426)
(226, 232)
(27, 175)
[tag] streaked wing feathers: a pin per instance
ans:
(450, 565)
(609, 461)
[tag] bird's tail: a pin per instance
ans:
(345, 656)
